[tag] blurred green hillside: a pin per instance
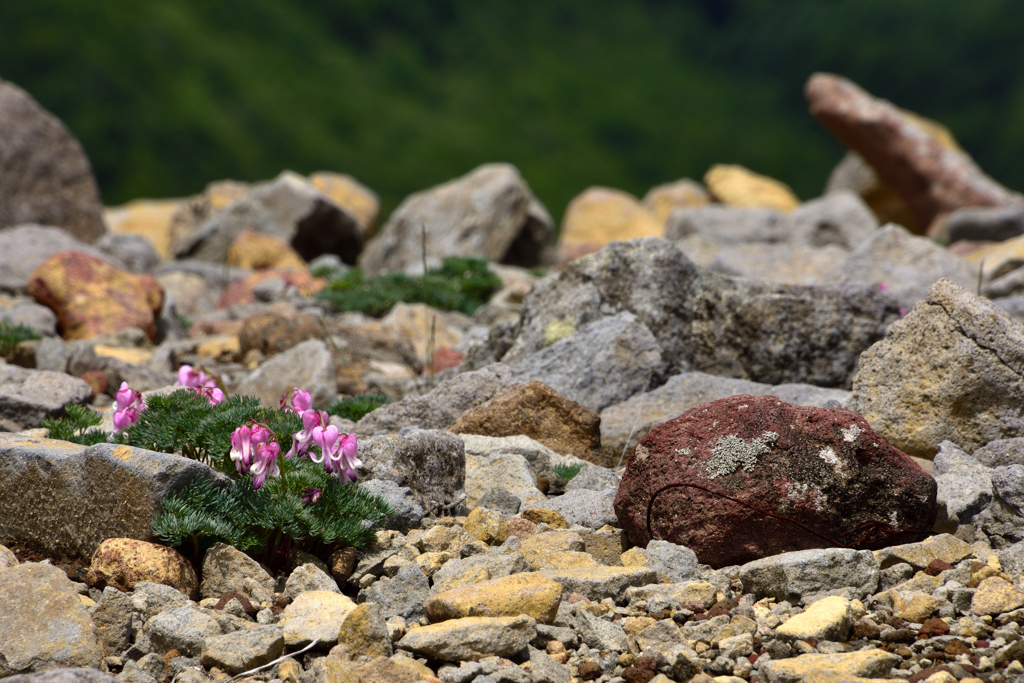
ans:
(169, 95)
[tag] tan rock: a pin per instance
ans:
(826, 619)
(547, 551)
(150, 218)
(738, 186)
(600, 582)
(7, 558)
(998, 259)
(351, 195)
(314, 615)
(477, 573)
(363, 630)
(914, 607)
(488, 526)
(863, 663)
(471, 638)
(601, 215)
(416, 323)
(606, 545)
(634, 625)
(738, 625)
(124, 562)
(224, 348)
(661, 200)
(995, 596)
(258, 251)
(242, 291)
(429, 563)
(943, 547)
(128, 355)
(509, 596)
(453, 539)
(541, 516)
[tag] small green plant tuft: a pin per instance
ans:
(460, 284)
(567, 472)
(76, 427)
(12, 335)
(356, 407)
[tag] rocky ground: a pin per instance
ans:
(800, 424)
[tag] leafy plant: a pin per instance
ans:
(567, 472)
(356, 407)
(12, 335)
(76, 426)
(460, 284)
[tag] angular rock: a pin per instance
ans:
(255, 251)
(489, 212)
(488, 526)
(471, 638)
(826, 619)
(674, 563)
(408, 512)
(477, 568)
(288, 207)
(365, 632)
(43, 624)
(92, 297)
(47, 176)
(491, 463)
(307, 365)
(952, 369)
(135, 251)
(781, 263)
(270, 333)
(539, 412)
(801, 576)
(271, 284)
(600, 634)
(598, 583)
(587, 508)
(124, 562)
(984, 224)
(1003, 520)
(501, 500)
(839, 219)
(34, 316)
(112, 616)
(594, 478)
(228, 569)
(869, 663)
(181, 628)
(55, 495)
(309, 577)
(709, 476)
(314, 615)
(26, 247)
(662, 199)
(417, 323)
(949, 549)
(530, 594)
(243, 650)
(542, 550)
(27, 397)
(430, 462)
(600, 215)
(66, 675)
(350, 194)
(965, 485)
(737, 186)
(150, 599)
(544, 669)
(932, 178)
(996, 596)
(402, 595)
(1001, 452)
(728, 225)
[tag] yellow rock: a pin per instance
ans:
(351, 195)
(995, 596)
(259, 251)
(365, 632)
(150, 218)
(826, 619)
(914, 607)
(634, 625)
(984, 573)
(943, 547)
(314, 615)
(429, 562)
(601, 215)
(128, 355)
(86, 600)
(125, 562)
(556, 550)
(509, 596)
(998, 259)
(661, 200)
(476, 573)
(863, 663)
(224, 347)
(737, 626)
(289, 671)
(415, 323)
(553, 519)
(941, 677)
(738, 186)
(487, 526)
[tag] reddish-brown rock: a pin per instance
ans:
(243, 291)
(92, 297)
(934, 179)
(746, 477)
(539, 412)
(124, 562)
(270, 333)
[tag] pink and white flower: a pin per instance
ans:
(200, 382)
(129, 406)
(298, 401)
(254, 451)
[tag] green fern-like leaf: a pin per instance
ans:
(12, 335)
(567, 472)
(356, 407)
(75, 426)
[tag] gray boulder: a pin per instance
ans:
(243, 650)
(1003, 520)
(801, 576)
(55, 495)
(674, 563)
(47, 177)
(27, 397)
(490, 212)
(181, 628)
(592, 509)
(727, 224)
(38, 317)
(985, 223)
(432, 463)
(308, 365)
(309, 577)
(594, 478)
(400, 596)
(840, 219)
(289, 207)
(964, 484)
(601, 634)
(1001, 452)
(228, 569)
(500, 499)
(408, 513)
(952, 369)
(135, 251)
(25, 247)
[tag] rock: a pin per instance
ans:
(705, 321)
(600, 215)
(539, 412)
(801, 576)
(43, 624)
(868, 663)
(134, 251)
(7, 558)
(965, 485)
(112, 616)
(1001, 452)
(785, 263)
(491, 463)
(906, 265)
(47, 176)
(408, 512)
(65, 675)
(594, 478)
(477, 568)
(257, 251)
(422, 325)
(592, 509)
(147, 218)
(430, 462)
(996, 596)
(488, 526)
(943, 547)
(490, 213)
(674, 563)
(544, 669)
(402, 595)
(510, 596)
(367, 360)
(810, 465)
(124, 562)
(598, 583)
(288, 207)
(555, 550)
(92, 297)
(364, 631)
(995, 224)
(1003, 520)
(352, 196)
(600, 634)
(951, 369)
(26, 247)
(181, 628)
(27, 397)
(497, 498)
(227, 569)
(314, 615)
(826, 619)
(471, 638)
(270, 333)
(839, 219)
(738, 186)
(663, 199)
(54, 494)
(309, 577)
(31, 315)
(916, 609)
(243, 650)
(728, 225)
(553, 519)
(308, 365)
(931, 177)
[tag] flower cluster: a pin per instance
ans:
(198, 381)
(337, 450)
(129, 405)
(254, 451)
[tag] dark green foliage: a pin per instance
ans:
(567, 472)
(12, 335)
(76, 426)
(355, 407)
(460, 284)
(185, 422)
(258, 521)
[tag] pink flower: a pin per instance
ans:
(298, 401)
(313, 422)
(129, 406)
(266, 463)
(192, 378)
(214, 394)
(339, 453)
(311, 495)
(254, 451)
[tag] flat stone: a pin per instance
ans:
(478, 568)
(919, 555)
(181, 628)
(243, 650)
(531, 594)
(996, 596)
(471, 638)
(798, 576)
(869, 663)
(537, 549)
(598, 583)
(827, 619)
